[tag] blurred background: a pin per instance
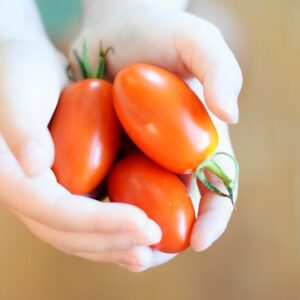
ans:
(258, 257)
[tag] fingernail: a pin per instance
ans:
(33, 159)
(153, 232)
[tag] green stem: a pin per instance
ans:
(210, 165)
(85, 66)
(81, 64)
(101, 69)
(86, 61)
(213, 167)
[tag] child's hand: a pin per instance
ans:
(31, 78)
(188, 46)
(172, 39)
(80, 226)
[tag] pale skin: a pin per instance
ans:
(31, 77)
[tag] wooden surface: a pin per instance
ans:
(259, 255)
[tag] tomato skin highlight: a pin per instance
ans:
(86, 135)
(139, 181)
(163, 117)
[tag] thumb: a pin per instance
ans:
(207, 56)
(29, 91)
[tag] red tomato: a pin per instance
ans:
(139, 181)
(86, 135)
(164, 117)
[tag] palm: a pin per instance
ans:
(143, 44)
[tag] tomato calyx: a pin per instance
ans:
(210, 165)
(85, 66)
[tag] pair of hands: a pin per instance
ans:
(31, 78)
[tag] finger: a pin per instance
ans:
(137, 259)
(29, 90)
(9, 166)
(53, 206)
(160, 258)
(213, 216)
(85, 242)
(11, 169)
(75, 213)
(207, 56)
(214, 211)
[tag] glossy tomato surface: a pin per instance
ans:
(164, 117)
(86, 135)
(139, 181)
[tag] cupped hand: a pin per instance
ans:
(31, 79)
(190, 47)
(175, 40)
(76, 225)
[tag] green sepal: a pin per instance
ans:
(214, 168)
(85, 66)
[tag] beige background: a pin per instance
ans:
(259, 255)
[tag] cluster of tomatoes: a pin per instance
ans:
(170, 128)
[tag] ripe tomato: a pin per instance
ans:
(139, 181)
(86, 135)
(163, 117)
